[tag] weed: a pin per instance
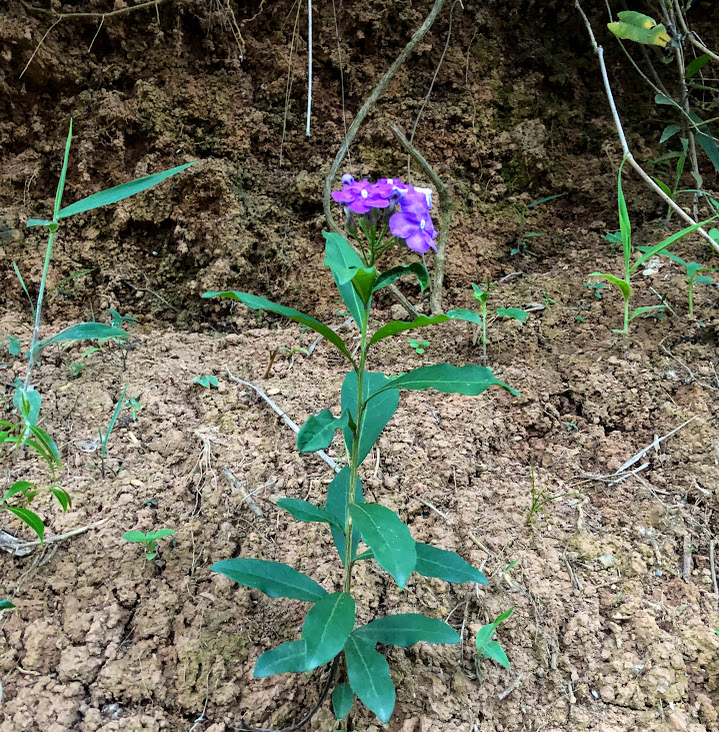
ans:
(207, 381)
(418, 346)
(384, 212)
(134, 405)
(522, 236)
(596, 288)
(488, 648)
(104, 438)
(149, 540)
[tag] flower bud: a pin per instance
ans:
(347, 180)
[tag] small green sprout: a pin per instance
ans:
(76, 368)
(596, 288)
(207, 381)
(6, 605)
(418, 345)
(522, 236)
(13, 345)
(104, 438)
(488, 648)
(149, 540)
(134, 405)
(542, 497)
(482, 294)
(613, 237)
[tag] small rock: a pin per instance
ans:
(397, 312)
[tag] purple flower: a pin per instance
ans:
(360, 197)
(415, 227)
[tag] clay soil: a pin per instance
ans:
(612, 582)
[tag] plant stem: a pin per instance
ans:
(38, 310)
(484, 334)
(691, 297)
(626, 316)
(354, 457)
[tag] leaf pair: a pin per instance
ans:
(639, 28)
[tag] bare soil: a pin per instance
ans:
(614, 591)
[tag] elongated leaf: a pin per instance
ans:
(705, 140)
(135, 537)
(304, 511)
(25, 290)
(665, 188)
(623, 285)
(388, 537)
(407, 629)
(63, 173)
(392, 275)
(495, 652)
(83, 332)
(342, 699)
(7, 605)
(469, 380)
(286, 658)
(47, 443)
(336, 504)
(400, 326)
(640, 28)
(368, 673)
(160, 534)
(445, 565)
(62, 496)
(260, 303)
(30, 518)
(38, 222)
(111, 424)
(319, 429)
(696, 65)
(514, 313)
(28, 402)
(375, 416)
(646, 309)
(23, 487)
(118, 193)
(326, 628)
(338, 250)
(486, 646)
(638, 20)
(272, 578)
(658, 248)
(668, 132)
(625, 226)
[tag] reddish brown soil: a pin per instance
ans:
(607, 635)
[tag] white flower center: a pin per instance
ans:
(364, 194)
(422, 224)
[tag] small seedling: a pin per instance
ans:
(624, 284)
(613, 237)
(542, 497)
(488, 648)
(693, 274)
(548, 302)
(6, 605)
(418, 346)
(149, 540)
(76, 368)
(134, 405)
(482, 294)
(13, 345)
(104, 438)
(207, 381)
(596, 288)
(571, 425)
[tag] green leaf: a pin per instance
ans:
(62, 496)
(82, 332)
(342, 699)
(28, 402)
(286, 658)
(118, 193)
(625, 226)
(623, 285)
(336, 505)
(400, 326)
(445, 565)
(207, 381)
(326, 628)
(391, 275)
(7, 605)
(23, 487)
(407, 629)
(375, 416)
(63, 174)
(669, 132)
(703, 280)
(665, 188)
(136, 537)
(696, 65)
(30, 518)
(363, 282)
(319, 429)
(494, 651)
(514, 313)
(272, 578)
(368, 673)
(38, 222)
(49, 449)
(638, 20)
(646, 309)
(388, 537)
(339, 252)
(666, 243)
(486, 646)
(640, 28)
(304, 511)
(160, 534)
(260, 303)
(469, 380)
(705, 140)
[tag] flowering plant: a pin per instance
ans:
(330, 632)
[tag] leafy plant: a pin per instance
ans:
(27, 433)
(482, 293)
(368, 401)
(81, 331)
(104, 438)
(418, 346)
(596, 288)
(149, 539)
(13, 345)
(624, 284)
(206, 381)
(488, 648)
(134, 405)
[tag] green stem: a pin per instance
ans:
(691, 298)
(626, 316)
(38, 309)
(354, 457)
(484, 334)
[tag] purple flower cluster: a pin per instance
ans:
(408, 208)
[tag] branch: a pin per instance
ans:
(692, 36)
(447, 206)
(623, 140)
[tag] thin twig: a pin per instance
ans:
(712, 564)
(284, 417)
(252, 504)
(447, 206)
(654, 444)
(687, 564)
(12, 548)
(599, 51)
